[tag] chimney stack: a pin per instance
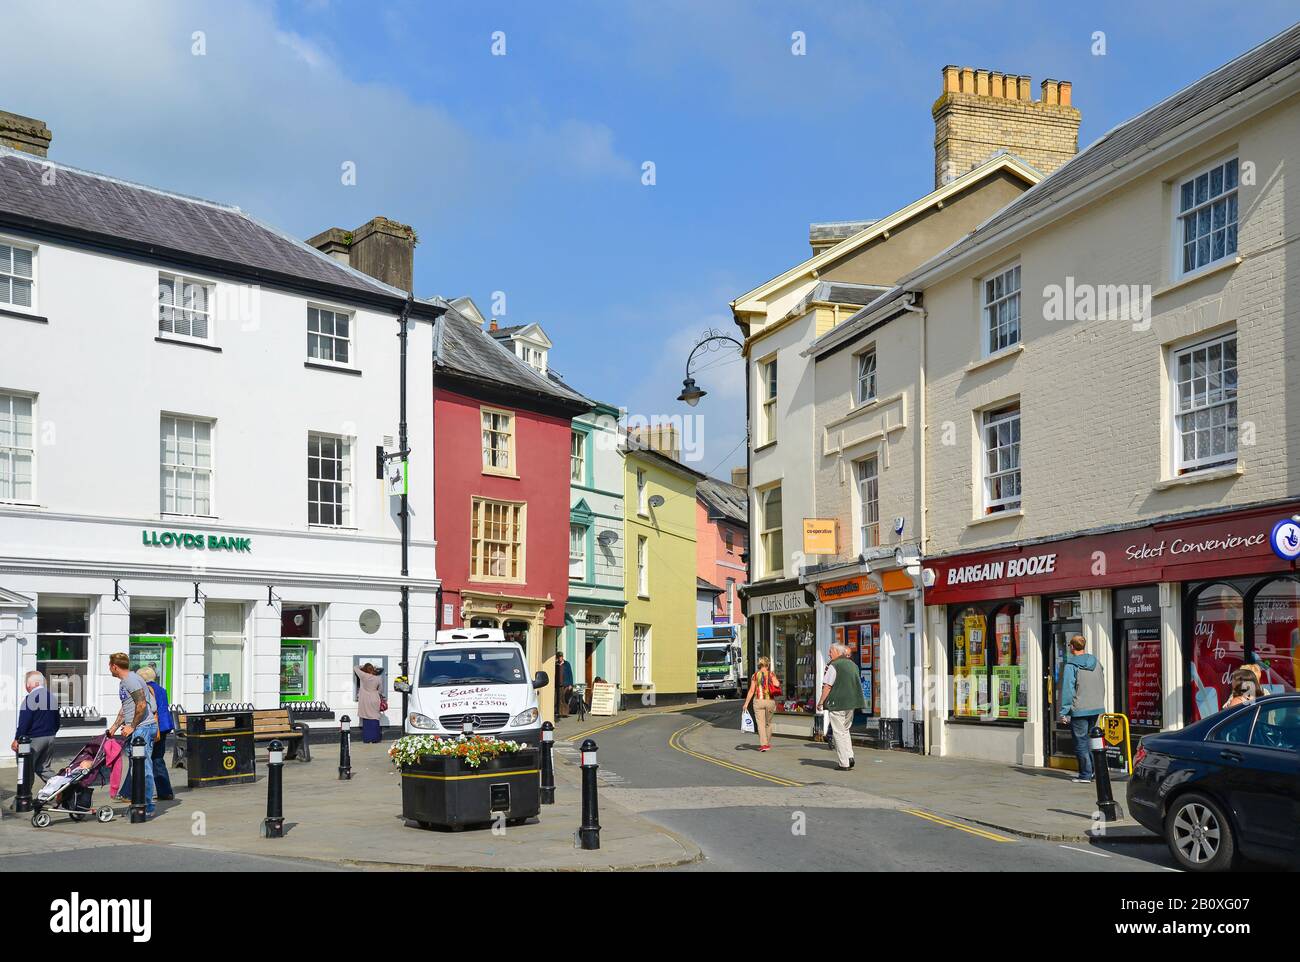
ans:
(980, 112)
(740, 477)
(25, 133)
(380, 247)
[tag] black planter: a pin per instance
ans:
(443, 791)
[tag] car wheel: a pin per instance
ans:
(1199, 835)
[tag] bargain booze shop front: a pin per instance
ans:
(1169, 608)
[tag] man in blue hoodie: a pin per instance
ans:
(1083, 698)
(38, 719)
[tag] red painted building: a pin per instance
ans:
(501, 487)
(721, 540)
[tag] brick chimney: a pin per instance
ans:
(980, 112)
(380, 247)
(25, 133)
(740, 477)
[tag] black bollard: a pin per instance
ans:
(548, 769)
(138, 762)
(345, 749)
(273, 827)
(589, 833)
(1101, 774)
(23, 802)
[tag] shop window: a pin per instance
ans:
(152, 640)
(794, 661)
(482, 622)
(1275, 641)
(17, 447)
(223, 653)
(1218, 646)
(516, 631)
(62, 648)
(988, 672)
(299, 643)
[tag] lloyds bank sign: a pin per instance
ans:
(189, 539)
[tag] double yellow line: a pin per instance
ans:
(629, 718)
(675, 741)
(991, 836)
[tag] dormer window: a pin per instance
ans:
(532, 357)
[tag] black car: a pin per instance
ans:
(1226, 786)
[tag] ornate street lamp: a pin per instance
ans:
(711, 341)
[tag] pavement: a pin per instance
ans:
(1031, 803)
(354, 824)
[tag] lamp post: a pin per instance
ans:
(711, 341)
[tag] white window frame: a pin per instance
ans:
(1229, 196)
(642, 566)
(185, 283)
(490, 430)
(642, 500)
(1186, 407)
(641, 655)
(48, 604)
(9, 453)
(346, 508)
(577, 551)
(994, 297)
(193, 469)
(350, 339)
(577, 457)
(768, 389)
(867, 486)
(865, 362)
(1004, 442)
(8, 273)
(775, 535)
(514, 555)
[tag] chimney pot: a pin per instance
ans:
(951, 82)
(492, 325)
(967, 80)
(1050, 93)
(25, 133)
(1064, 91)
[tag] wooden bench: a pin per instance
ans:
(269, 724)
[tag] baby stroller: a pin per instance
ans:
(71, 791)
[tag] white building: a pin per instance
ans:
(190, 406)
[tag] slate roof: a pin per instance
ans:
(1112, 150)
(724, 500)
(96, 208)
(466, 349)
(836, 230)
(702, 585)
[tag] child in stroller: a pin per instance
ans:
(71, 791)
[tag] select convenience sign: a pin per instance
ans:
(1239, 543)
(195, 540)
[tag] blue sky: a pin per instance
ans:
(523, 173)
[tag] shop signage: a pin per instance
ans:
(819, 536)
(190, 539)
(602, 698)
(1137, 602)
(1224, 545)
(772, 604)
(859, 585)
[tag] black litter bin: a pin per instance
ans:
(219, 748)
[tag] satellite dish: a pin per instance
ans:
(656, 500)
(369, 621)
(607, 537)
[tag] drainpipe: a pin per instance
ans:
(922, 628)
(403, 322)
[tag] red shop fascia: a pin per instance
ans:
(1224, 545)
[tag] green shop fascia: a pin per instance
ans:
(195, 540)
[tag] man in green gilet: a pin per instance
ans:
(841, 696)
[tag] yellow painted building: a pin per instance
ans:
(659, 555)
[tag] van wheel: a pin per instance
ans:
(1199, 835)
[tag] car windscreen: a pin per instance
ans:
(712, 656)
(471, 666)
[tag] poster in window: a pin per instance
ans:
(1277, 636)
(963, 701)
(1022, 693)
(1218, 648)
(865, 675)
(1002, 639)
(1143, 669)
(975, 625)
(293, 671)
(1005, 683)
(982, 701)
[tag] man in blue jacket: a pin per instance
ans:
(1083, 698)
(38, 719)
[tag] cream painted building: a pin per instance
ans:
(1112, 441)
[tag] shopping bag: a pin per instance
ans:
(747, 722)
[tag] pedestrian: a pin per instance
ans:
(137, 716)
(162, 780)
(763, 689)
(38, 719)
(563, 685)
(841, 697)
(370, 702)
(1246, 686)
(1083, 698)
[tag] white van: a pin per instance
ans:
(473, 672)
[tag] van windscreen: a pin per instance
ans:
(471, 666)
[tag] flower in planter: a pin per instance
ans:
(473, 751)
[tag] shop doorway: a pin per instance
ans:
(858, 629)
(1139, 685)
(152, 642)
(1062, 620)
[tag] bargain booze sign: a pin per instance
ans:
(1210, 547)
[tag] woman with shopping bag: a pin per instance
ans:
(764, 689)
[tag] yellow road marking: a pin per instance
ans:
(992, 837)
(674, 741)
(629, 718)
